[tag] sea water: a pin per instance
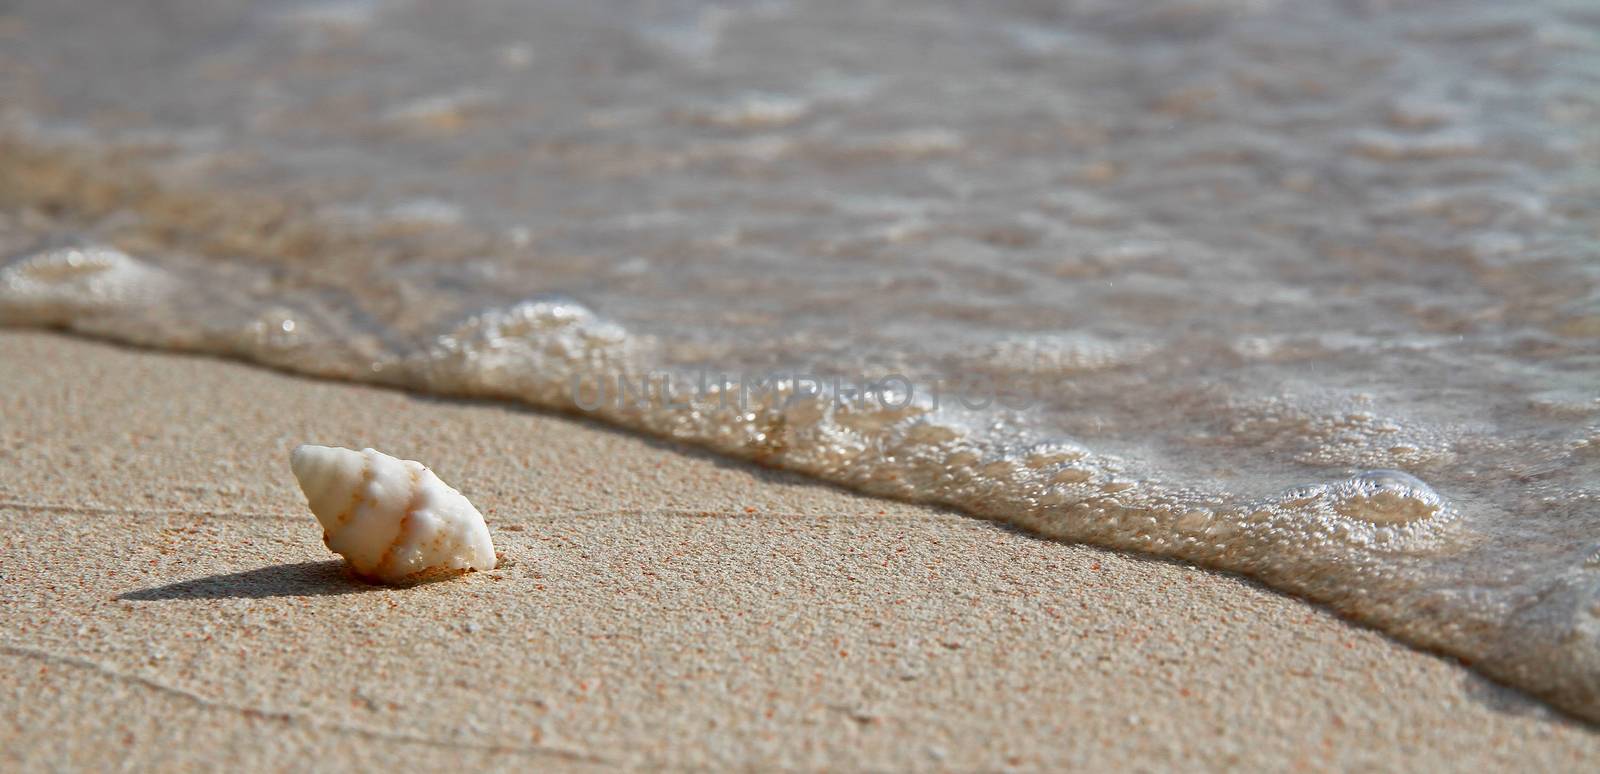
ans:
(1304, 290)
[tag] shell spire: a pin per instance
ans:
(393, 520)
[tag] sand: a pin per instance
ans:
(167, 602)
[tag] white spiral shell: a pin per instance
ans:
(393, 520)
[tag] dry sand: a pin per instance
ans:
(167, 602)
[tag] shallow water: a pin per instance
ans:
(1304, 290)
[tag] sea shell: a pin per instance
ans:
(392, 519)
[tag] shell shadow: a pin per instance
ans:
(300, 579)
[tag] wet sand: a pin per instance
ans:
(167, 602)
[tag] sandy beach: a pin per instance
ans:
(168, 604)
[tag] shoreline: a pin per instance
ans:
(1092, 502)
(661, 608)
